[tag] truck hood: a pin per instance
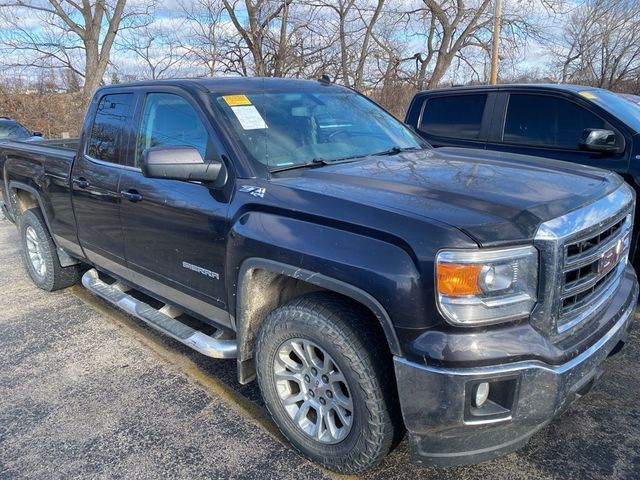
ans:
(493, 197)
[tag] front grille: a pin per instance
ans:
(577, 249)
(592, 264)
(580, 267)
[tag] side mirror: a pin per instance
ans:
(182, 163)
(598, 140)
(36, 134)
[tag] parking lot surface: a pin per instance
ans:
(88, 392)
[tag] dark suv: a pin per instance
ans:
(573, 123)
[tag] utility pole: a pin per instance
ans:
(495, 47)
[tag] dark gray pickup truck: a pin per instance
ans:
(371, 284)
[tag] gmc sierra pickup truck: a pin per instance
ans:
(370, 283)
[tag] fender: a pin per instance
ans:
(65, 259)
(15, 185)
(322, 281)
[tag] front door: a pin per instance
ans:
(95, 179)
(175, 231)
(550, 126)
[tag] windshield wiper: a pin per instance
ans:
(391, 151)
(395, 150)
(316, 162)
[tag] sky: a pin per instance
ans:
(533, 55)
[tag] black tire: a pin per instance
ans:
(54, 276)
(344, 330)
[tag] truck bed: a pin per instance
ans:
(44, 167)
(62, 143)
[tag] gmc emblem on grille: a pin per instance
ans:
(609, 258)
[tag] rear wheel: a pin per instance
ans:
(40, 254)
(327, 383)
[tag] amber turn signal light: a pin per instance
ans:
(458, 279)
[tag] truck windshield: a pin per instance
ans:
(622, 108)
(285, 130)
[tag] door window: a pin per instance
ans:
(546, 120)
(455, 116)
(169, 120)
(108, 133)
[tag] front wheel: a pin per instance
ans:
(327, 383)
(40, 254)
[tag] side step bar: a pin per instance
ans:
(163, 320)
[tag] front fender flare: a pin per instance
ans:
(322, 281)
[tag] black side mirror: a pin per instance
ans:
(182, 163)
(36, 134)
(598, 140)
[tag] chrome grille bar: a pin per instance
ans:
(575, 283)
(583, 283)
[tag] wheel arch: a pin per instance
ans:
(289, 281)
(24, 197)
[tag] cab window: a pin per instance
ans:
(547, 121)
(108, 133)
(170, 120)
(454, 116)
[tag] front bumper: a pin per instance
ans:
(443, 429)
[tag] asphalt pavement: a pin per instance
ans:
(89, 392)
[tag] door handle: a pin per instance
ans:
(81, 182)
(131, 195)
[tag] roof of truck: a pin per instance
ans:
(507, 86)
(236, 84)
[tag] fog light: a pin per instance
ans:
(480, 395)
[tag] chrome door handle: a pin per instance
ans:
(81, 182)
(131, 195)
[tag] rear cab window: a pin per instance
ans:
(454, 116)
(109, 133)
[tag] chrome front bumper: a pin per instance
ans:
(435, 401)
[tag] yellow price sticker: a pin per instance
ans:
(236, 100)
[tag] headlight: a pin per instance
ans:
(480, 287)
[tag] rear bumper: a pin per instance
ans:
(444, 427)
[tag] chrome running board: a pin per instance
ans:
(163, 319)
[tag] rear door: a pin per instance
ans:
(455, 119)
(95, 178)
(550, 125)
(175, 231)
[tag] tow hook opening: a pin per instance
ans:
(588, 383)
(619, 346)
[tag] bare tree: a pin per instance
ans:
(259, 26)
(157, 47)
(599, 44)
(204, 38)
(75, 36)
(453, 26)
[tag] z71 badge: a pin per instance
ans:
(253, 190)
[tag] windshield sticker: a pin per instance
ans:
(588, 95)
(249, 117)
(235, 100)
